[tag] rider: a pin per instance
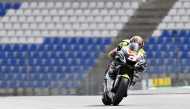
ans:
(135, 47)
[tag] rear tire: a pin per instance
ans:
(121, 91)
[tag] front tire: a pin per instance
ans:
(105, 99)
(121, 91)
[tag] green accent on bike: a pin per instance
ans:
(124, 43)
(125, 76)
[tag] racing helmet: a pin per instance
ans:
(137, 39)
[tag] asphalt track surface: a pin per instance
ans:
(158, 101)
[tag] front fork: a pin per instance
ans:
(117, 81)
(112, 85)
(108, 83)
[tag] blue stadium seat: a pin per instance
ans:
(89, 40)
(166, 40)
(23, 47)
(64, 41)
(174, 33)
(157, 54)
(1, 6)
(107, 41)
(47, 41)
(73, 41)
(152, 40)
(162, 47)
(166, 33)
(32, 47)
(34, 65)
(183, 33)
(16, 5)
(45, 84)
(51, 76)
(56, 41)
(2, 55)
(3, 84)
(2, 12)
(187, 33)
(149, 54)
(4, 7)
(169, 48)
(10, 84)
(81, 40)
(183, 54)
(22, 77)
(7, 47)
(7, 5)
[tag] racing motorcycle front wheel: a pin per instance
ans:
(121, 91)
(105, 99)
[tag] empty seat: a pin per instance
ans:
(153, 40)
(8, 5)
(16, 5)
(2, 13)
(3, 84)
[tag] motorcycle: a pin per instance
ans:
(116, 89)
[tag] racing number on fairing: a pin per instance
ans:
(132, 58)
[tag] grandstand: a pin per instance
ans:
(58, 46)
(170, 41)
(47, 45)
